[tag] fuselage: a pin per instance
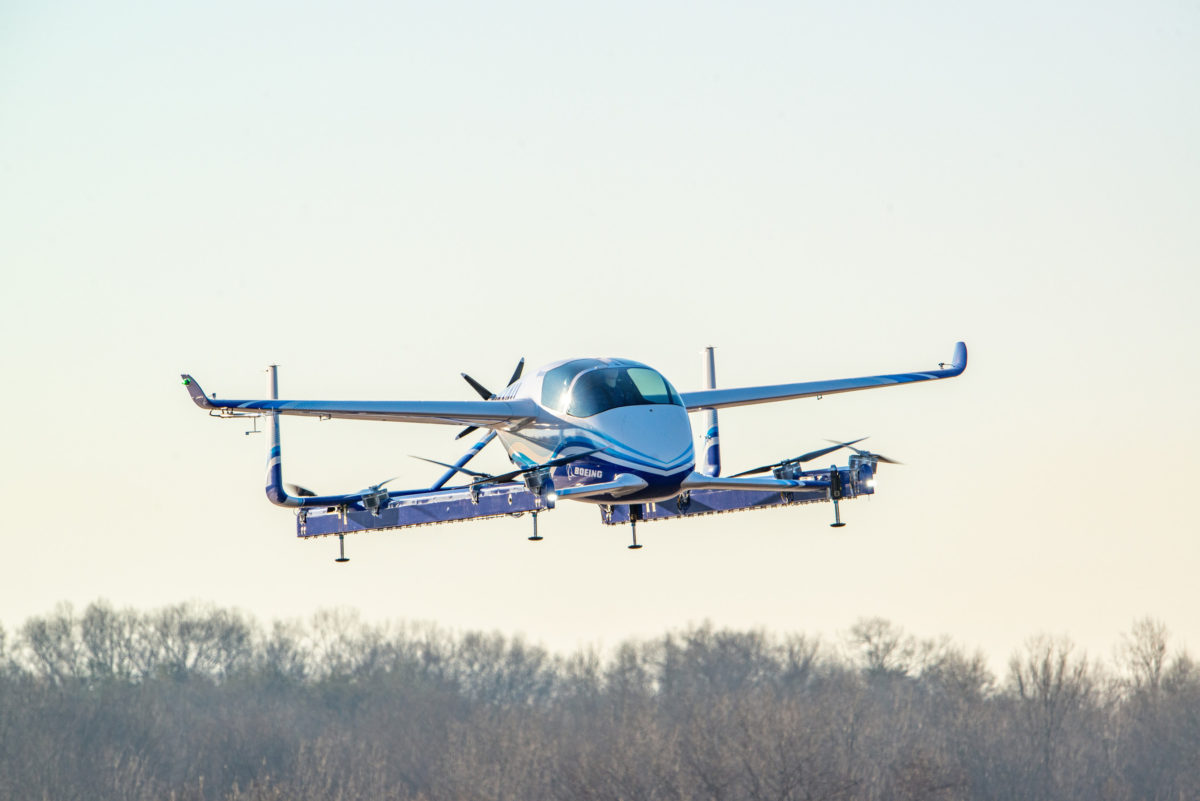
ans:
(623, 407)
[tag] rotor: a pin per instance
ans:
(791, 465)
(486, 393)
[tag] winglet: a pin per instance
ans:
(959, 361)
(196, 392)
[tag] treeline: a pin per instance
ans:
(192, 702)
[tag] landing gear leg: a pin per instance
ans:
(837, 516)
(342, 549)
(535, 537)
(635, 514)
(835, 493)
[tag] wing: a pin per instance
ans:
(486, 414)
(721, 398)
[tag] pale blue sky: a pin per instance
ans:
(378, 196)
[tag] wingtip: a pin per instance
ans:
(197, 394)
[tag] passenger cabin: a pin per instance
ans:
(586, 387)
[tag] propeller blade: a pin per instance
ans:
(762, 469)
(879, 457)
(464, 470)
(483, 391)
(560, 461)
(298, 491)
(516, 373)
(804, 457)
(487, 394)
(822, 451)
(381, 483)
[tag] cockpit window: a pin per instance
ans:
(558, 381)
(600, 389)
(652, 386)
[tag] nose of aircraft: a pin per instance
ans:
(660, 434)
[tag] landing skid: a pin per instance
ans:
(837, 517)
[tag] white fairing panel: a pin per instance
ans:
(655, 439)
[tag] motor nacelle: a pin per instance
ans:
(788, 471)
(864, 458)
(862, 469)
(541, 483)
(374, 501)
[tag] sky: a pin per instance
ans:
(379, 196)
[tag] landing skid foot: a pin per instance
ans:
(837, 517)
(342, 549)
(633, 518)
(535, 537)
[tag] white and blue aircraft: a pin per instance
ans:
(611, 432)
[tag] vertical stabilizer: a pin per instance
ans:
(275, 491)
(711, 465)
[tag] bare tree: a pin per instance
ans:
(283, 655)
(108, 638)
(202, 704)
(53, 647)
(189, 640)
(1144, 653)
(1052, 687)
(883, 647)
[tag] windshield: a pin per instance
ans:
(600, 389)
(557, 382)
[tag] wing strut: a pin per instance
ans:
(466, 457)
